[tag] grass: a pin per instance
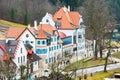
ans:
(11, 24)
(117, 55)
(80, 64)
(101, 75)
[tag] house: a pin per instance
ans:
(70, 26)
(15, 50)
(48, 19)
(33, 61)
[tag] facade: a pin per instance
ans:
(70, 29)
(16, 51)
(71, 24)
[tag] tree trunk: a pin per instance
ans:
(96, 51)
(106, 61)
(101, 53)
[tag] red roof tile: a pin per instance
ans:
(41, 34)
(14, 32)
(43, 28)
(66, 18)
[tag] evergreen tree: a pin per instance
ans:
(12, 14)
(26, 19)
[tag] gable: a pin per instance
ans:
(23, 35)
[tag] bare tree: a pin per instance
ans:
(98, 19)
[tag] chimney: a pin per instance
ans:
(35, 24)
(69, 8)
(28, 25)
(64, 9)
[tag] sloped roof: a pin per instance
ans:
(66, 19)
(47, 28)
(62, 34)
(41, 34)
(33, 57)
(44, 31)
(8, 48)
(14, 32)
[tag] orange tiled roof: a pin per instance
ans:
(14, 32)
(67, 18)
(41, 34)
(45, 27)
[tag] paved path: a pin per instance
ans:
(97, 69)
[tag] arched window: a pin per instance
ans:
(47, 20)
(27, 35)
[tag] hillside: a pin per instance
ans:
(26, 11)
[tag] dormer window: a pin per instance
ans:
(59, 18)
(27, 35)
(47, 20)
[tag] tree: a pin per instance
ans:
(98, 19)
(26, 19)
(9, 70)
(12, 14)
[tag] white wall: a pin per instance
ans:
(35, 65)
(31, 38)
(19, 54)
(47, 19)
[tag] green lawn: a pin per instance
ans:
(101, 75)
(11, 24)
(117, 55)
(80, 64)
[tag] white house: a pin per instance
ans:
(48, 19)
(72, 31)
(16, 50)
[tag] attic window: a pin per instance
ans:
(47, 20)
(59, 18)
(27, 35)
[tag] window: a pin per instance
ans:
(31, 41)
(38, 42)
(35, 62)
(43, 42)
(79, 36)
(57, 47)
(55, 39)
(21, 50)
(47, 20)
(27, 35)
(21, 59)
(49, 60)
(27, 42)
(51, 39)
(46, 61)
(18, 60)
(60, 46)
(38, 62)
(52, 59)
(49, 48)
(41, 51)
(54, 47)
(37, 50)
